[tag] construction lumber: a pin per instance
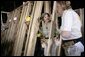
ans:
(47, 8)
(4, 12)
(21, 30)
(14, 23)
(15, 53)
(51, 30)
(82, 20)
(34, 29)
(80, 12)
(9, 22)
(29, 29)
(12, 20)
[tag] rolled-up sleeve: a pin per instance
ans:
(67, 21)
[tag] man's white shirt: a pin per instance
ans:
(71, 22)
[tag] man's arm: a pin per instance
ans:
(67, 25)
(65, 34)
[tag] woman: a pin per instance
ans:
(45, 24)
(70, 29)
(45, 28)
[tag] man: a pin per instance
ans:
(70, 29)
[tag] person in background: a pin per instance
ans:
(43, 35)
(44, 29)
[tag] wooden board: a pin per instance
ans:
(51, 30)
(10, 26)
(34, 29)
(21, 30)
(47, 7)
(82, 20)
(29, 30)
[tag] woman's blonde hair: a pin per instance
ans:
(67, 4)
(42, 17)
